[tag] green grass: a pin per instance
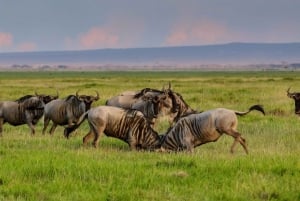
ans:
(53, 168)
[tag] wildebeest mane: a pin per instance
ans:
(175, 106)
(145, 90)
(69, 97)
(32, 104)
(24, 98)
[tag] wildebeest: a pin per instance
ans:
(66, 112)
(296, 97)
(149, 106)
(183, 109)
(127, 100)
(26, 110)
(197, 129)
(129, 125)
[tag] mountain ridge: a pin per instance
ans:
(230, 53)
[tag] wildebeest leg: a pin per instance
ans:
(131, 140)
(46, 123)
(88, 137)
(97, 133)
(190, 148)
(31, 126)
(69, 130)
(53, 128)
(1, 125)
(237, 139)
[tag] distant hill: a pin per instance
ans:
(232, 53)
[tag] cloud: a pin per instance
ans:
(116, 32)
(6, 39)
(27, 46)
(99, 37)
(197, 33)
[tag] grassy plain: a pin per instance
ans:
(53, 168)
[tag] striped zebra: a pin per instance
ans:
(131, 126)
(197, 129)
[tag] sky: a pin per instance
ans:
(50, 25)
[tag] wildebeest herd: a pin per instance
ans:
(130, 117)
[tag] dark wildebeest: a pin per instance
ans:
(149, 106)
(296, 97)
(183, 109)
(127, 100)
(197, 129)
(129, 125)
(66, 112)
(26, 110)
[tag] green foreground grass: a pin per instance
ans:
(53, 168)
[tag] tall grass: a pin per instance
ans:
(53, 168)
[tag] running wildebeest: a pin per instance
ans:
(296, 97)
(128, 125)
(197, 129)
(66, 112)
(26, 110)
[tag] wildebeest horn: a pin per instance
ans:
(57, 95)
(169, 85)
(288, 93)
(77, 95)
(97, 96)
(36, 93)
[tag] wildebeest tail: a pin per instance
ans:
(253, 107)
(82, 118)
(69, 130)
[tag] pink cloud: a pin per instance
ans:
(116, 32)
(27, 46)
(99, 37)
(196, 33)
(6, 39)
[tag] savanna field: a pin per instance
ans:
(44, 167)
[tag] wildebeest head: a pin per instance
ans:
(30, 102)
(166, 104)
(152, 105)
(182, 108)
(88, 100)
(169, 103)
(296, 97)
(47, 98)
